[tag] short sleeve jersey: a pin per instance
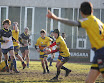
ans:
(95, 31)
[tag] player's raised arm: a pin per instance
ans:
(65, 21)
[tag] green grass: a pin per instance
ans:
(34, 74)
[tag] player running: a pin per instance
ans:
(7, 45)
(63, 54)
(15, 33)
(24, 40)
(41, 43)
(95, 30)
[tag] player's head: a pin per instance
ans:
(26, 30)
(56, 33)
(15, 24)
(42, 33)
(51, 32)
(86, 8)
(7, 23)
(63, 35)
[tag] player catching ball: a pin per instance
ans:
(95, 30)
(41, 43)
(63, 54)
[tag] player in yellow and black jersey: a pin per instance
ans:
(15, 33)
(43, 42)
(95, 30)
(24, 40)
(7, 45)
(63, 53)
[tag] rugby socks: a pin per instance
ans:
(44, 71)
(58, 73)
(27, 65)
(47, 67)
(23, 62)
(51, 62)
(11, 67)
(14, 63)
(64, 68)
(6, 62)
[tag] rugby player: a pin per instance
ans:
(95, 30)
(7, 45)
(15, 33)
(24, 40)
(41, 43)
(63, 54)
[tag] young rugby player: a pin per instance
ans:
(43, 42)
(24, 40)
(63, 54)
(95, 30)
(7, 45)
(15, 33)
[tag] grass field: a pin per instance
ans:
(34, 74)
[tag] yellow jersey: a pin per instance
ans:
(42, 43)
(63, 50)
(95, 31)
(15, 36)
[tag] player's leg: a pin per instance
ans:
(0, 55)
(51, 60)
(22, 52)
(16, 49)
(27, 57)
(58, 71)
(93, 74)
(42, 63)
(64, 60)
(5, 51)
(13, 60)
(46, 63)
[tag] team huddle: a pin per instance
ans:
(93, 26)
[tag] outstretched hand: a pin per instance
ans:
(51, 15)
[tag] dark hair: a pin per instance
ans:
(7, 21)
(86, 8)
(56, 31)
(63, 33)
(42, 31)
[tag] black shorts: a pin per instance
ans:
(42, 56)
(63, 59)
(5, 51)
(98, 60)
(16, 49)
(22, 49)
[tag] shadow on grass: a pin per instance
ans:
(8, 74)
(36, 81)
(3, 82)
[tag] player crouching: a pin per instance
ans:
(63, 54)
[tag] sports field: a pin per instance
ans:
(34, 74)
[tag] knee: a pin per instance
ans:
(27, 56)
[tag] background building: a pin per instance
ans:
(32, 13)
